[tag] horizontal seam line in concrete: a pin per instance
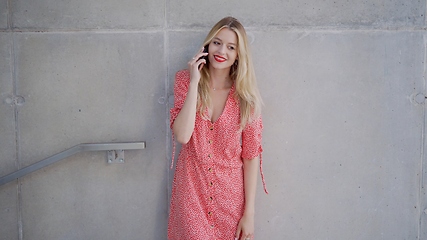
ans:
(198, 29)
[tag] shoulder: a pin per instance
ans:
(182, 80)
(182, 76)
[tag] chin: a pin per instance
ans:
(220, 66)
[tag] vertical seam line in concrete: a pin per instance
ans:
(17, 145)
(166, 68)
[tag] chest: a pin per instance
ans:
(226, 124)
(219, 100)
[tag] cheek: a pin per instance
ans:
(212, 48)
(234, 56)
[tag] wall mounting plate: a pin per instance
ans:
(116, 156)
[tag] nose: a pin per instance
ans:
(222, 49)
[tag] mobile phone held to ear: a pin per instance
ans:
(205, 50)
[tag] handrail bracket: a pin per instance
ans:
(116, 156)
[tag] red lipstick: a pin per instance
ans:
(219, 58)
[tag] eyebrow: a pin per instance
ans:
(216, 38)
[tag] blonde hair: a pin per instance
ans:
(241, 73)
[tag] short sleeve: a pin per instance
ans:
(182, 79)
(251, 139)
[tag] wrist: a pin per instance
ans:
(193, 86)
(194, 82)
(249, 212)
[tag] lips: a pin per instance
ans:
(219, 58)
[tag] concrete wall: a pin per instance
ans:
(343, 85)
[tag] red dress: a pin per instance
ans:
(207, 191)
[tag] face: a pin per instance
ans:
(223, 49)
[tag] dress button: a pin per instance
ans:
(210, 141)
(211, 127)
(210, 155)
(211, 183)
(210, 169)
(211, 199)
(212, 226)
(209, 213)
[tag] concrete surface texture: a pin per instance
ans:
(342, 81)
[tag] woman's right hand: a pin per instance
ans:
(196, 64)
(184, 123)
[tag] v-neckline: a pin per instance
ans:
(225, 107)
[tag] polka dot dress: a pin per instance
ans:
(207, 191)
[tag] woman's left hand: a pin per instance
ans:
(245, 229)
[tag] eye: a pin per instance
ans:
(216, 42)
(231, 48)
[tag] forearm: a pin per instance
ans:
(250, 171)
(183, 125)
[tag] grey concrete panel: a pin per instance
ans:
(81, 14)
(4, 12)
(8, 196)
(277, 13)
(423, 193)
(423, 189)
(84, 198)
(83, 88)
(342, 134)
(9, 212)
(8, 192)
(7, 107)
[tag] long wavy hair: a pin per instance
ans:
(241, 73)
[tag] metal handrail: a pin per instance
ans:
(84, 147)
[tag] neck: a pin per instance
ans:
(220, 79)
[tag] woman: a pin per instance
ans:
(216, 118)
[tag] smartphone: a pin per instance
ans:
(205, 50)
